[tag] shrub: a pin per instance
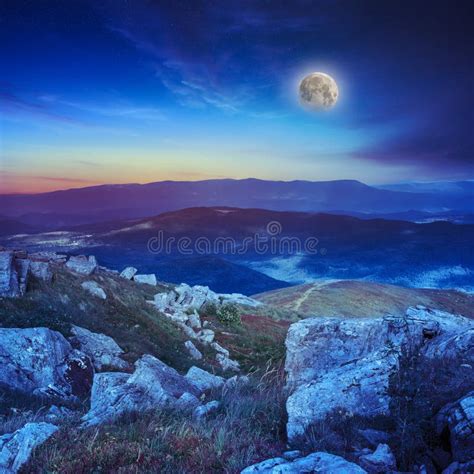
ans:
(229, 314)
(209, 309)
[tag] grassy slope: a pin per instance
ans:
(248, 427)
(352, 298)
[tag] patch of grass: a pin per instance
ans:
(248, 427)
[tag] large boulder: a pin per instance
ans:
(16, 448)
(103, 351)
(82, 264)
(152, 385)
(322, 463)
(348, 363)
(457, 421)
(43, 362)
(14, 268)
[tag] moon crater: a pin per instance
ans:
(318, 91)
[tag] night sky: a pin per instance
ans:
(136, 91)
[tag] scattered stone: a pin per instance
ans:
(187, 401)
(16, 448)
(152, 385)
(218, 348)
(82, 264)
(42, 362)
(226, 363)
(320, 462)
(128, 273)
(149, 279)
(203, 380)
(41, 270)
(203, 411)
(193, 350)
(206, 336)
(103, 351)
(380, 461)
(94, 289)
(194, 320)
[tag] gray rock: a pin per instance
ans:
(41, 270)
(13, 274)
(206, 336)
(226, 363)
(82, 264)
(203, 380)
(16, 448)
(335, 362)
(149, 279)
(194, 320)
(41, 361)
(458, 419)
(152, 385)
(94, 289)
(203, 411)
(320, 462)
(380, 461)
(218, 348)
(102, 350)
(128, 273)
(193, 350)
(187, 401)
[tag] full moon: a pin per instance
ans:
(318, 91)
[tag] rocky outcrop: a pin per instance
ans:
(14, 268)
(322, 463)
(457, 421)
(82, 264)
(16, 448)
(153, 384)
(94, 289)
(181, 305)
(43, 362)
(103, 351)
(348, 363)
(128, 273)
(149, 279)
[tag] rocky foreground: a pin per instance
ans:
(382, 394)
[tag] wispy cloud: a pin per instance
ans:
(110, 110)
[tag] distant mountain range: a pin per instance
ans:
(437, 255)
(63, 209)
